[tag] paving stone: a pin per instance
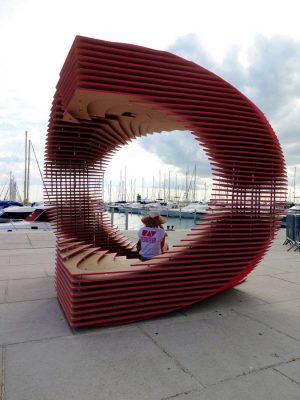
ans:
(30, 260)
(241, 331)
(4, 261)
(263, 385)
(232, 299)
(117, 364)
(16, 252)
(49, 269)
(3, 286)
(21, 272)
(45, 250)
(283, 317)
(30, 289)
(267, 268)
(41, 238)
(217, 349)
(43, 244)
(271, 289)
(14, 245)
(13, 237)
(46, 235)
(291, 370)
(31, 320)
(1, 371)
(293, 277)
(277, 264)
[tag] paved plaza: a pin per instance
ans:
(243, 344)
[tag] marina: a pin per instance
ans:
(122, 217)
(190, 127)
(130, 221)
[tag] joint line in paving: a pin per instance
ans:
(179, 365)
(265, 324)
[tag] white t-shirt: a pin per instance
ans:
(151, 239)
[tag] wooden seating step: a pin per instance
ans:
(131, 246)
(91, 260)
(124, 240)
(74, 251)
(85, 260)
(64, 238)
(65, 241)
(118, 264)
(101, 254)
(69, 246)
(74, 263)
(108, 266)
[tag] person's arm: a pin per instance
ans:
(163, 244)
(138, 245)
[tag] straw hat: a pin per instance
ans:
(153, 219)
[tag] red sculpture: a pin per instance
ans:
(107, 95)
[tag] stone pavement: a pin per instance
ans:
(243, 344)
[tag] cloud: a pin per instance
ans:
(12, 154)
(178, 149)
(268, 73)
(274, 71)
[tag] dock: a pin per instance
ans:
(241, 344)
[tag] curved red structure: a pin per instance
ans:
(107, 95)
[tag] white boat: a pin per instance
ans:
(15, 213)
(194, 210)
(294, 210)
(166, 209)
(37, 220)
(9, 203)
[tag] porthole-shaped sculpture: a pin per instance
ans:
(109, 94)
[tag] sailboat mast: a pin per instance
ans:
(119, 197)
(169, 197)
(159, 184)
(10, 185)
(295, 185)
(25, 173)
(186, 185)
(153, 188)
(125, 181)
(28, 170)
(195, 177)
(134, 185)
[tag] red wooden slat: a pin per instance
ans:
(99, 82)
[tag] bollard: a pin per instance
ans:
(126, 220)
(112, 215)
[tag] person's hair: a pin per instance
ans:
(152, 222)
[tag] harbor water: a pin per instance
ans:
(135, 223)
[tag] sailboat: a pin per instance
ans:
(37, 219)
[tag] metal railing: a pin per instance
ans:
(293, 232)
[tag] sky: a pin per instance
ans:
(254, 45)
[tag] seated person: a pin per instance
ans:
(152, 237)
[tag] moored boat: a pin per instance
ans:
(167, 209)
(36, 220)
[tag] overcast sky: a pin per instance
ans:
(254, 45)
